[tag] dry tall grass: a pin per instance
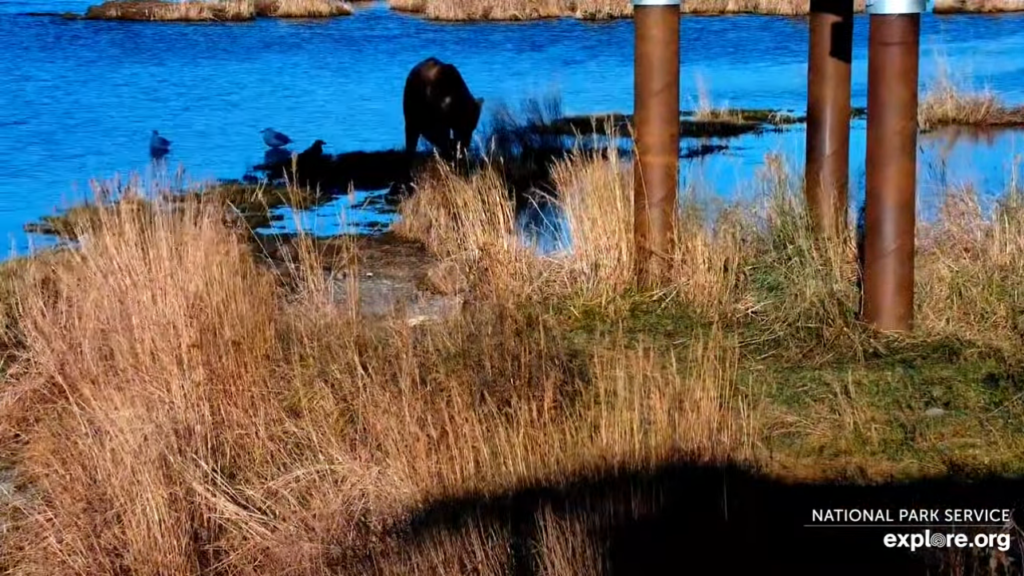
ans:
(302, 8)
(174, 11)
(217, 10)
(754, 261)
(960, 6)
(946, 104)
(171, 411)
(455, 10)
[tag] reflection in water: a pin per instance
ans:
(987, 161)
(347, 214)
(542, 226)
(276, 156)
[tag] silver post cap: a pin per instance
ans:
(896, 6)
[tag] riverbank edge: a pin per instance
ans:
(418, 8)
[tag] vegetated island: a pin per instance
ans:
(215, 10)
(510, 10)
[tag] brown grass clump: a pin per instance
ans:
(482, 9)
(173, 11)
(767, 7)
(596, 197)
(216, 10)
(969, 266)
(946, 104)
(302, 8)
(977, 6)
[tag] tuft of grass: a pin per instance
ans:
(978, 6)
(946, 104)
(302, 8)
(173, 11)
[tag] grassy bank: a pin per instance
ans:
(171, 406)
(215, 10)
(452, 10)
(947, 104)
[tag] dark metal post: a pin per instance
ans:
(890, 203)
(656, 115)
(827, 169)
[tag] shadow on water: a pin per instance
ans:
(673, 518)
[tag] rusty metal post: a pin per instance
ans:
(891, 164)
(827, 168)
(656, 117)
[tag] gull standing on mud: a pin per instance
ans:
(158, 145)
(275, 139)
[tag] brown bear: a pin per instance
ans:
(437, 103)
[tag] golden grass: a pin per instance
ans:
(975, 6)
(174, 11)
(455, 10)
(195, 418)
(172, 410)
(216, 10)
(303, 8)
(946, 104)
(188, 10)
(713, 263)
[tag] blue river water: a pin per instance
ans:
(81, 98)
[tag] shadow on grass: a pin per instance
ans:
(672, 519)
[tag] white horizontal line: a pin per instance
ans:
(903, 525)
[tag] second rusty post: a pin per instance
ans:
(656, 118)
(830, 52)
(891, 164)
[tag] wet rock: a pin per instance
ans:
(379, 276)
(446, 279)
(379, 298)
(10, 497)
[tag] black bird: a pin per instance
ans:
(158, 145)
(314, 152)
(310, 161)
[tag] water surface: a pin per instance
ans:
(81, 97)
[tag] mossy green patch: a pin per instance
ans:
(908, 405)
